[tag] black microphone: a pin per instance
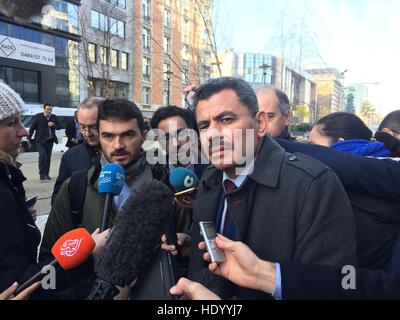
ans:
(135, 238)
(111, 182)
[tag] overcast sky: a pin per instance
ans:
(362, 36)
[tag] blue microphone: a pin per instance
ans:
(182, 179)
(111, 182)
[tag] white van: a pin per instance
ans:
(64, 115)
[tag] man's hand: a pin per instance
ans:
(24, 295)
(184, 243)
(242, 266)
(51, 124)
(100, 240)
(190, 290)
(74, 141)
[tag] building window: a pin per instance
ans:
(165, 97)
(114, 58)
(146, 67)
(167, 44)
(167, 18)
(207, 58)
(185, 31)
(24, 82)
(92, 52)
(103, 55)
(119, 3)
(185, 76)
(146, 96)
(105, 23)
(146, 39)
(124, 60)
(146, 10)
(95, 23)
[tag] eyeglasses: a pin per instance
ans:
(88, 128)
(182, 134)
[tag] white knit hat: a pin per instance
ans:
(10, 102)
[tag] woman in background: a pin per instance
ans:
(346, 132)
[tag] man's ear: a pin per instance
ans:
(288, 119)
(144, 136)
(388, 131)
(262, 123)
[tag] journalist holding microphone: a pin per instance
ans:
(19, 236)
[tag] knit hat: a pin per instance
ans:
(10, 102)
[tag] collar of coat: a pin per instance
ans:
(267, 167)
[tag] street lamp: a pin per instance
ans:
(265, 67)
(168, 73)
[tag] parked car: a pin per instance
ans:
(64, 115)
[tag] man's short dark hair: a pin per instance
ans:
(47, 105)
(120, 109)
(167, 112)
(242, 89)
(391, 121)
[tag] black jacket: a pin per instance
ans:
(19, 236)
(70, 132)
(377, 218)
(40, 125)
(366, 175)
(75, 159)
(291, 208)
(321, 283)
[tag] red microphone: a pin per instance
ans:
(70, 250)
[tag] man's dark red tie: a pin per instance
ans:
(229, 227)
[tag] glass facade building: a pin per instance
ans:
(257, 69)
(59, 30)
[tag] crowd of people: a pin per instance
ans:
(289, 217)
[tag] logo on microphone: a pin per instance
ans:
(70, 247)
(188, 182)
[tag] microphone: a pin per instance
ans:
(70, 250)
(111, 182)
(135, 238)
(182, 179)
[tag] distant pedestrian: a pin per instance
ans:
(73, 132)
(45, 125)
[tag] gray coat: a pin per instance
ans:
(292, 208)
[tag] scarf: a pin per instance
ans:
(5, 157)
(133, 171)
(362, 148)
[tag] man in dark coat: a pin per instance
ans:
(285, 207)
(45, 125)
(73, 132)
(374, 194)
(81, 157)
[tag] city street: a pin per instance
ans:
(35, 187)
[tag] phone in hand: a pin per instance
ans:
(209, 234)
(31, 202)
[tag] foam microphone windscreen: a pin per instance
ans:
(136, 234)
(73, 248)
(182, 179)
(23, 9)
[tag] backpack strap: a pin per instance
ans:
(77, 191)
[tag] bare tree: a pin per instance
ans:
(100, 68)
